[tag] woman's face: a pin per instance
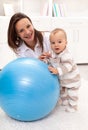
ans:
(25, 30)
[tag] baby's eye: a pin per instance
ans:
(59, 41)
(52, 42)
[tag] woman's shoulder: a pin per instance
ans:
(46, 37)
(21, 50)
(22, 47)
(46, 41)
(46, 34)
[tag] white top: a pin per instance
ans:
(24, 51)
(68, 72)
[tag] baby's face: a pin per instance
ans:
(58, 42)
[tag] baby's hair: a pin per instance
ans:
(58, 30)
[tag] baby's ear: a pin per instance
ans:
(66, 42)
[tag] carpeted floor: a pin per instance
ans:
(58, 119)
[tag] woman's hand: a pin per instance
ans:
(45, 55)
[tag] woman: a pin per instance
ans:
(25, 40)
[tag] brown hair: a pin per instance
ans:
(13, 40)
(58, 30)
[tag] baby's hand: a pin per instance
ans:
(53, 70)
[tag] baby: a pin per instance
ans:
(62, 64)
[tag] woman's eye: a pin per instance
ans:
(28, 26)
(21, 30)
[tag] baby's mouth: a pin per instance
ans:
(57, 49)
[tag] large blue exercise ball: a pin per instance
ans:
(28, 91)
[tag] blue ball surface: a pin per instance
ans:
(28, 91)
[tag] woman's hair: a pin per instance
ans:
(13, 41)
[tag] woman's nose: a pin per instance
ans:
(27, 31)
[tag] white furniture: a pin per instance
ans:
(77, 33)
(74, 19)
(11, 6)
(6, 54)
